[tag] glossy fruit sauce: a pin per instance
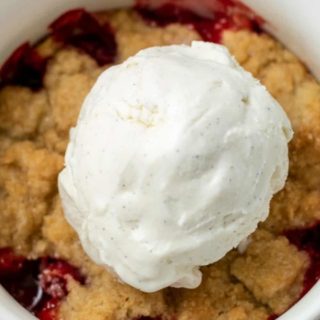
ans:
(38, 285)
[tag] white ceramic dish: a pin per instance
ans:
(295, 22)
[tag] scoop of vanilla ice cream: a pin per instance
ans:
(175, 157)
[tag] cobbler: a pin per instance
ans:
(42, 263)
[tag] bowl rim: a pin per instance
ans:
(30, 28)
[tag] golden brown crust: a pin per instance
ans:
(270, 268)
(28, 177)
(133, 35)
(219, 296)
(21, 112)
(34, 128)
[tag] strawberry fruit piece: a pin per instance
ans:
(225, 15)
(25, 67)
(49, 310)
(77, 28)
(82, 30)
(54, 276)
(308, 239)
(9, 262)
(39, 285)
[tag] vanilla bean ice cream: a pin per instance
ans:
(174, 160)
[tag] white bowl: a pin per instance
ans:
(292, 21)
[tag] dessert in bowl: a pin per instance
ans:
(57, 280)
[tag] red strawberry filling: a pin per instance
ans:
(39, 285)
(82, 30)
(77, 28)
(10, 263)
(54, 275)
(25, 67)
(308, 239)
(48, 309)
(225, 15)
